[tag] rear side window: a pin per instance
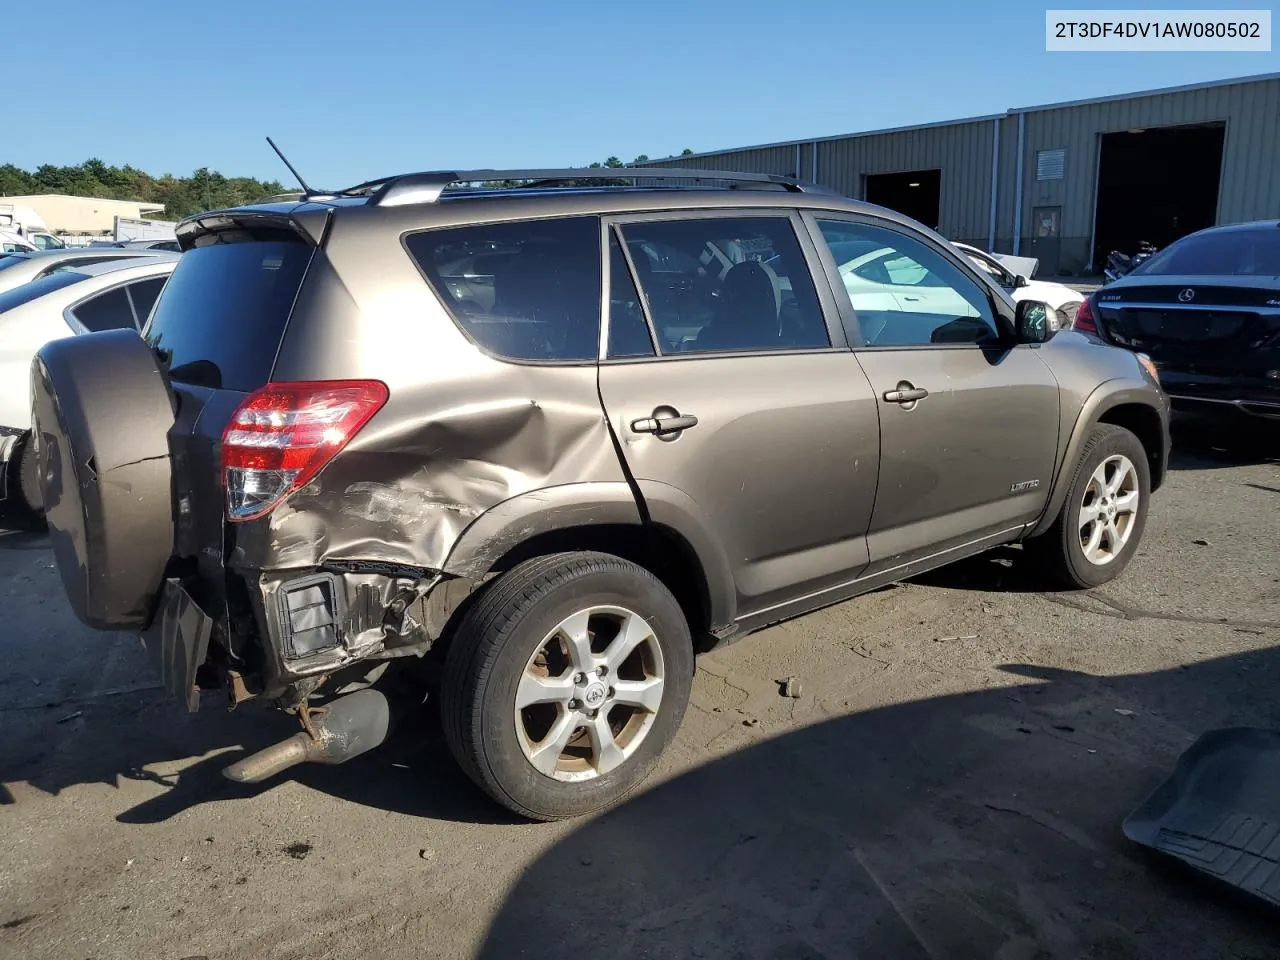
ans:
(221, 316)
(106, 311)
(523, 291)
(144, 294)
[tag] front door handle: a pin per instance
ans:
(909, 395)
(661, 425)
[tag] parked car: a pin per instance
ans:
(154, 243)
(1206, 309)
(111, 294)
(12, 243)
(1016, 276)
(19, 268)
(654, 421)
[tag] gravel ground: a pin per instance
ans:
(949, 784)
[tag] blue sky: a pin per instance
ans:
(353, 91)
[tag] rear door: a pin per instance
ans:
(968, 421)
(730, 390)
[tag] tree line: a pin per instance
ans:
(205, 189)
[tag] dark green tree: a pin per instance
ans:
(181, 196)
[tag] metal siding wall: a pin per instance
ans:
(1249, 188)
(961, 151)
(776, 160)
(1250, 183)
(1008, 184)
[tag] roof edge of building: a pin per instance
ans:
(961, 121)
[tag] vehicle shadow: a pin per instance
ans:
(411, 774)
(982, 825)
(1206, 444)
(19, 537)
(1005, 569)
(154, 739)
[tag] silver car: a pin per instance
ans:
(23, 267)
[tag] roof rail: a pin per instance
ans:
(411, 188)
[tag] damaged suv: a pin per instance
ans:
(562, 437)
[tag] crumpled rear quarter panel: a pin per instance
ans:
(461, 433)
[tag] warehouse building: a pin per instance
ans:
(1065, 182)
(82, 215)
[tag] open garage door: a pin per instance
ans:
(916, 193)
(1156, 185)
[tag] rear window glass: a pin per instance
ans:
(38, 288)
(220, 318)
(11, 261)
(524, 291)
(1230, 253)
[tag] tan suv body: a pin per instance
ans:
(562, 436)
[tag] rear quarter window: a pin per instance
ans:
(221, 316)
(522, 291)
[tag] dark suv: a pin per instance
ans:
(561, 436)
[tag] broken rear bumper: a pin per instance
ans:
(260, 633)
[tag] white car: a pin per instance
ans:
(78, 298)
(1016, 275)
(12, 243)
(17, 269)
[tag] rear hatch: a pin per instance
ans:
(1200, 324)
(215, 331)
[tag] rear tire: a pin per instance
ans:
(28, 486)
(514, 647)
(1101, 522)
(21, 510)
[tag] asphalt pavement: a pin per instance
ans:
(950, 783)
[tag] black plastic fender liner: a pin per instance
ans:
(101, 412)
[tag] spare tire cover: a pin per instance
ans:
(101, 413)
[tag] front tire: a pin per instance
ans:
(565, 682)
(1105, 513)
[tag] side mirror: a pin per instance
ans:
(1032, 321)
(1019, 281)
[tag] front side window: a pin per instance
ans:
(716, 285)
(990, 268)
(528, 290)
(904, 292)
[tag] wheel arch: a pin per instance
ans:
(665, 533)
(1123, 403)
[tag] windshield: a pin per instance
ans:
(1227, 253)
(38, 288)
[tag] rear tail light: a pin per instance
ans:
(283, 434)
(1086, 320)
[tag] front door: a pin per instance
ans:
(968, 421)
(729, 393)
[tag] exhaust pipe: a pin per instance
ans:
(352, 725)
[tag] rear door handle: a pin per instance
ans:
(661, 425)
(906, 396)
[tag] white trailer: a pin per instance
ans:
(131, 228)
